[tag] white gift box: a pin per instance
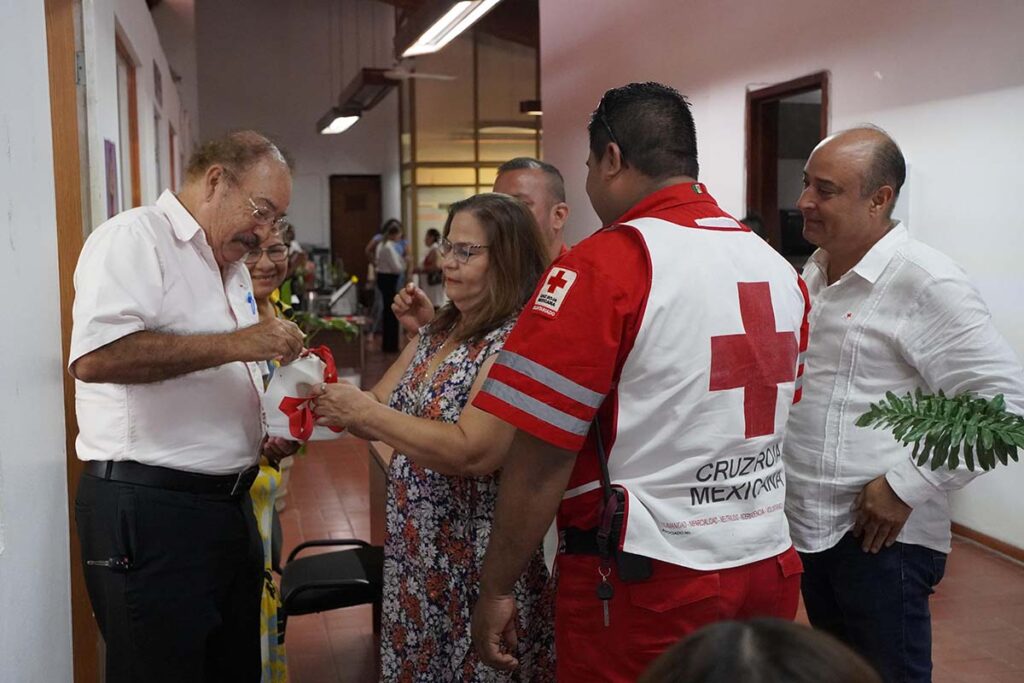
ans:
(287, 392)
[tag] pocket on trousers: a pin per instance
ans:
(938, 568)
(663, 595)
(125, 537)
(790, 564)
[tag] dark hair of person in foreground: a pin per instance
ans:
(759, 651)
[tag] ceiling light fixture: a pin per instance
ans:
(436, 24)
(337, 120)
(368, 88)
(530, 108)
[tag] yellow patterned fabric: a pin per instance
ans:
(263, 493)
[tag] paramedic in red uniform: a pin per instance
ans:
(677, 333)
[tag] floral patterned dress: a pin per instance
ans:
(438, 527)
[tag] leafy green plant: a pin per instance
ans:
(943, 429)
(312, 324)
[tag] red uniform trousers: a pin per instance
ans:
(648, 617)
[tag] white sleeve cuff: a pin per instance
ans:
(910, 483)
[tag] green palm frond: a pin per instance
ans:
(947, 431)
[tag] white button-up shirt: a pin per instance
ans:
(904, 317)
(389, 261)
(152, 269)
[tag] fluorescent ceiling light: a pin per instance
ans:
(458, 17)
(337, 121)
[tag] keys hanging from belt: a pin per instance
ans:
(605, 591)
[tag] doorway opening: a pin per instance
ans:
(784, 123)
(355, 219)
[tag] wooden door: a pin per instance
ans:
(355, 218)
(763, 137)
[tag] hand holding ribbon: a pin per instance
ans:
(301, 419)
(343, 405)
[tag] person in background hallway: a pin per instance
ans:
(671, 335)
(377, 306)
(759, 651)
(442, 481)
(268, 266)
(165, 350)
(537, 184)
(390, 267)
(889, 314)
(433, 274)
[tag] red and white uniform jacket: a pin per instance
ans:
(684, 332)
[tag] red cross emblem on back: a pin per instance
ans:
(756, 361)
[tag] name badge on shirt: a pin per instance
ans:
(553, 292)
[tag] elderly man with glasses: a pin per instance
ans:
(165, 350)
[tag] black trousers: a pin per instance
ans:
(388, 285)
(175, 581)
(877, 603)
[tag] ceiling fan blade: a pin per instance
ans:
(402, 75)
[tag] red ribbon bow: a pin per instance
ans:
(300, 415)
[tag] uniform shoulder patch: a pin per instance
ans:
(554, 290)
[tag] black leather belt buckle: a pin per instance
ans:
(244, 481)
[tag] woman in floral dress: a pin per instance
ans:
(443, 481)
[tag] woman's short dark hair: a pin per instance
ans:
(516, 261)
(237, 152)
(435, 233)
(759, 651)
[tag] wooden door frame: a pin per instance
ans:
(67, 176)
(757, 111)
(173, 180)
(133, 121)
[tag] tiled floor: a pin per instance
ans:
(978, 609)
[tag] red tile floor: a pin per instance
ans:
(977, 611)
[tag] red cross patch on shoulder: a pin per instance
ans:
(554, 290)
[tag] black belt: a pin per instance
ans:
(631, 567)
(578, 541)
(131, 472)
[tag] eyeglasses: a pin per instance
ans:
(611, 136)
(462, 251)
(265, 216)
(277, 254)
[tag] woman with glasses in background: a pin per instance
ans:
(442, 482)
(268, 266)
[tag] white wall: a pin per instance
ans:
(270, 68)
(944, 78)
(175, 21)
(131, 21)
(35, 630)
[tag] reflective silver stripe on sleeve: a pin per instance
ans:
(800, 358)
(539, 410)
(580, 490)
(799, 384)
(550, 379)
